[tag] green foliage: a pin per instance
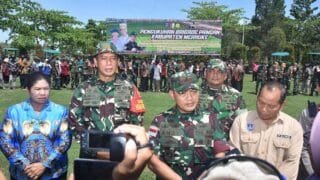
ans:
(290, 49)
(230, 21)
(302, 10)
(268, 14)
(274, 41)
(254, 53)
(239, 51)
(212, 11)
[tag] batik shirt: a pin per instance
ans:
(105, 105)
(186, 142)
(27, 137)
(226, 102)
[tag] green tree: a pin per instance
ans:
(254, 54)
(303, 30)
(301, 9)
(269, 14)
(230, 21)
(274, 41)
(98, 29)
(239, 51)
(9, 10)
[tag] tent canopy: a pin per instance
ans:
(10, 49)
(51, 51)
(314, 53)
(280, 54)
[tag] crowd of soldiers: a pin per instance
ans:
(304, 79)
(154, 74)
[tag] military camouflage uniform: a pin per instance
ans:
(186, 142)
(76, 71)
(226, 101)
(296, 75)
(262, 77)
(103, 105)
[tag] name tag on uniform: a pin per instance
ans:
(170, 135)
(203, 135)
(228, 100)
(91, 97)
(285, 136)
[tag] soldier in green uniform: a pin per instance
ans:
(219, 98)
(296, 76)
(105, 102)
(171, 70)
(76, 71)
(262, 76)
(185, 139)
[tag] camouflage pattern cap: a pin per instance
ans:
(104, 47)
(183, 81)
(217, 63)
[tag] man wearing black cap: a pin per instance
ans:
(106, 101)
(132, 44)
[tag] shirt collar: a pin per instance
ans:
(28, 107)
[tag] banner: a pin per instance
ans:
(149, 36)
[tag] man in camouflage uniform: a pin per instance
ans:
(76, 72)
(170, 71)
(262, 76)
(296, 75)
(105, 102)
(185, 139)
(56, 73)
(218, 98)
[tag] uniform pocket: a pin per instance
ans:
(282, 143)
(250, 138)
(178, 155)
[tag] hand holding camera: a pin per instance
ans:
(136, 157)
(127, 151)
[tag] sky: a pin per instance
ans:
(83, 10)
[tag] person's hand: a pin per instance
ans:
(137, 132)
(71, 177)
(35, 170)
(102, 155)
(134, 160)
(220, 155)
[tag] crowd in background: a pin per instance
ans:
(305, 79)
(149, 74)
(153, 73)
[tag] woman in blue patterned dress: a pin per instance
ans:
(34, 135)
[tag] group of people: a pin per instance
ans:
(121, 41)
(60, 71)
(305, 79)
(206, 123)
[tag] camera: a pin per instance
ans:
(88, 166)
(93, 141)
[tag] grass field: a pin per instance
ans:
(154, 102)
